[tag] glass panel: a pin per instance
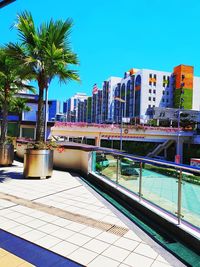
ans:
(191, 198)
(129, 172)
(159, 185)
(106, 165)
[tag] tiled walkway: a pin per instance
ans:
(65, 217)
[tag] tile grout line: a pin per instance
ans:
(56, 192)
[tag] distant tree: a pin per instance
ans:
(19, 105)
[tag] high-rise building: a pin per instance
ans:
(54, 108)
(89, 110)
(70, 107)
(82, 111)
(96, 105)
(108, 93)
(135, 95)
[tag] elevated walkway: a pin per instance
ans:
(65, 216)
(114, 132)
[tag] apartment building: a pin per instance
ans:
(134, 95)
(70, 107)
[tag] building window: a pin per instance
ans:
(163, 92)
(149, 91)
(153, 106)
(154, 79)
(154, 99)
(154, 91)
(150, 79)
(163, 100)
(167, 100)
(149, 106)
(149, 98)
(167, 92)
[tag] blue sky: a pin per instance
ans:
(112, 36)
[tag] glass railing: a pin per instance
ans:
(174, 188)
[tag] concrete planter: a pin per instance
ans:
(38, 163)
(6, 154)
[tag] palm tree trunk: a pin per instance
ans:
(40, 117)
(4, 123)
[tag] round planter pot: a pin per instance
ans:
(6, 154)
(38, 163)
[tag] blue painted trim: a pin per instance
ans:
(32, 253)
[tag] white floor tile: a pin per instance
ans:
(107, 237)
(83, 256)
(62, 222)
(63, 233)
(159, 264)
(131, 235)
(76, 227)
(116, 253)
(102, 261)
(33, 235)
(48, 241)
(24, 219)
(19, 230)
(49, 218)
(126, 243)
(92, 232)
(49, 228)
(64, 248)
(146, 250)
(78, 239)
(124, 265)
(137, 260)
(36, 223)
(13, 215)
(96, 245)
(6, 225)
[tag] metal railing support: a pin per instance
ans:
(140, 182)
(117, 172)
(179, 204)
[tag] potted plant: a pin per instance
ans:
(46, 53)
(11, 81)
(38, 160)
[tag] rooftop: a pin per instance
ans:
(66, 221)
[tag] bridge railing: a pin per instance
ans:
(172, 188)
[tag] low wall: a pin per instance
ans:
(75, 157)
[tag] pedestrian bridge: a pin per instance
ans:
(115, 132)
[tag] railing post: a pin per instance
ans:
(140, 181)
(117, 173)
(179, 215)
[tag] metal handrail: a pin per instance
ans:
(150, 160)
(178, 167)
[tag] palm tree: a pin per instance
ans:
(46, 52)
(11, 81)
(20, 105)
